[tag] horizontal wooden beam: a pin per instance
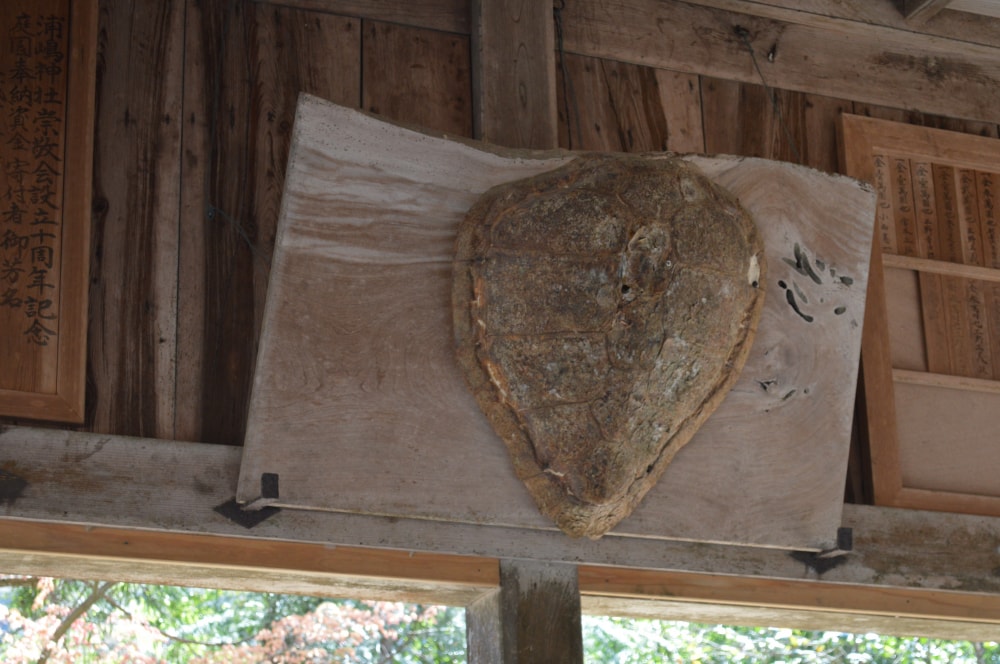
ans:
(444, 15)
(794, 51)
(141, 556)
(874, 19)
(143, 510)
(865, 17)
(711, 613)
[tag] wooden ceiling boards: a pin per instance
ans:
(358, 403)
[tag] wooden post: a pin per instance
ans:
(514, 73)
(534, 616)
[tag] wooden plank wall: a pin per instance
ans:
(195, 102)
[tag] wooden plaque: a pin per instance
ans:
(931, 349)
(47, 65)
(359, 405)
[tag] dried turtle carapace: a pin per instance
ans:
(602, 311)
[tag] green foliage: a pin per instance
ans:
(134, 623)
(626, 641)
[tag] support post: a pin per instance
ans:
(514, 74)
(533, 617)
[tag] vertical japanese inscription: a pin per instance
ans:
(884, 216)
(33, 105)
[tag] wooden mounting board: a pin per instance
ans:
(359, 405)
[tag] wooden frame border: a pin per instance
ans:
(860, 138)
(67, 403)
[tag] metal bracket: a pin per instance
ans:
(11, 487)
(826, 560)
(250, 514)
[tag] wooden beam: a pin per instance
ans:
(514, 74)
(445, 15)
(235, 563)
(856, 60)
(533, 617)
(142, 510)
(875, 19)
(809, 619)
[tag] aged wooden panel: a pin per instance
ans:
(619, 107)
(514, 86)
(390, 353)
(739, 118)
(906, 338)
(419, 77)
(933, 457)
(133, 308)
(246, 65)
(47, 109)
(921, 456)
(898, 68)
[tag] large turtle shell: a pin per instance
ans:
(602, 311)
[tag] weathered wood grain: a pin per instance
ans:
(618, 107)
(419, 77)
(533, 617)
(873, 20)
(739, 118)
(372, 360)
(514, 74)
(133, 309)
(900, 68)
(240, 94)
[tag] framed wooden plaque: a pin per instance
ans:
(931, 346)
(47, 66)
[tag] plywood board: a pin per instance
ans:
(46, 120)
(359, 405)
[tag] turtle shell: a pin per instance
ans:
(602, 311)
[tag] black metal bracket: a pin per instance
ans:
(11, 487)
(826, 560)
(260, 509)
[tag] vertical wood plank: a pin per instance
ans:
(247, 64)
(680, 98)
(217, 153)
(136, 194)
(533, 618)
(514, 73)
(879, 442)
(622, 107)
(619, 107)
(935, 319)
(417, 76)
(739, 118)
